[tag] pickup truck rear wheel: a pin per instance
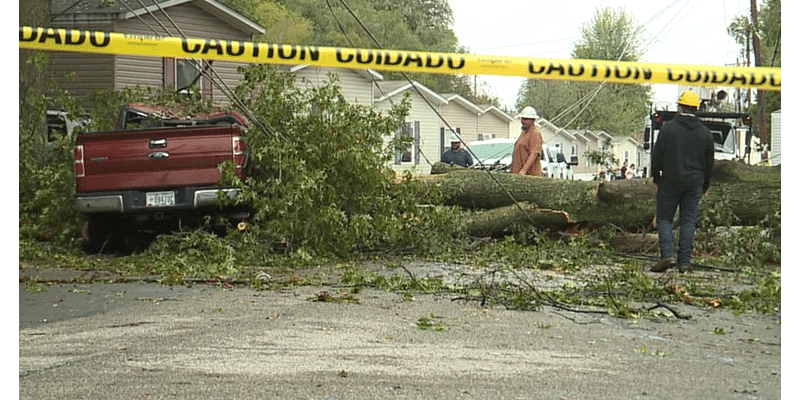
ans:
(102, 234)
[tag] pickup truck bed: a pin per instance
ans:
(157, 177)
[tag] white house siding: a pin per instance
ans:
(548, 131)
(775, 145)
(595, 143)
(515, 127)
(355, 87)
(590, 145)
(429, 134)
(581, 170)
(561, 141)
(491, 125)
(459, 118)
(626, 148)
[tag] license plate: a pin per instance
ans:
(160, 199)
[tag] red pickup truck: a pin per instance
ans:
(157, 170)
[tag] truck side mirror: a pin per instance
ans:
(560, 158)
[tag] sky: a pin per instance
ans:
(550, 29)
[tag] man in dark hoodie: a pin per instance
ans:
(682, 163)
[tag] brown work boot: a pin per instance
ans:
(685, 269)
(664, 264)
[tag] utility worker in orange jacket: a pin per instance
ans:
(527, 159)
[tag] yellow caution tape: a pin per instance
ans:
(86, 41)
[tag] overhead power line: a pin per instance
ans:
(207, 70)
(491, 175)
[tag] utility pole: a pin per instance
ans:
(747, 54)
(738, 90)
(759, 61)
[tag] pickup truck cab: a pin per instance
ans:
(157, 170)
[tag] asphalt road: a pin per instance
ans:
(129, 341)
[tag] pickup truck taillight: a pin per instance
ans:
(79, 167)
(239, 148)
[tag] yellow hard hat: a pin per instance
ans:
(690, 99)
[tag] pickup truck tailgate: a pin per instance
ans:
(154, 158)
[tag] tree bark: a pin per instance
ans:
(740, 194)
(499, 221)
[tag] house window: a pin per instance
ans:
(573, 150)
(186, 76)
(409, 152)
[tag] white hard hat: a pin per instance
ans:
(529, 112)
(454, 138)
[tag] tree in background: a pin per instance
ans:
(612, 34)
(423, 25)
(281, 24)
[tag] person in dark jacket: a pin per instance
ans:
(682, 164)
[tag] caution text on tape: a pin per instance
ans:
(99, 42)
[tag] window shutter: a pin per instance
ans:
(441, 141)
(416, 142)
(398, 153)
(168, 72)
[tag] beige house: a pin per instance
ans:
(515, 126)
(493, 123)
(356, 85)
(578, 148)
(554, 136)
(194, 18)
(462, 116)
(626, 148)
(595, 141)
(579, 142)
(422, 124)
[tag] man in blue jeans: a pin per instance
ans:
(682, 163)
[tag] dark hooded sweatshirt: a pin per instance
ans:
(684, 153)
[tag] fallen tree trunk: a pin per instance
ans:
(499, 221)
(740, 194)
